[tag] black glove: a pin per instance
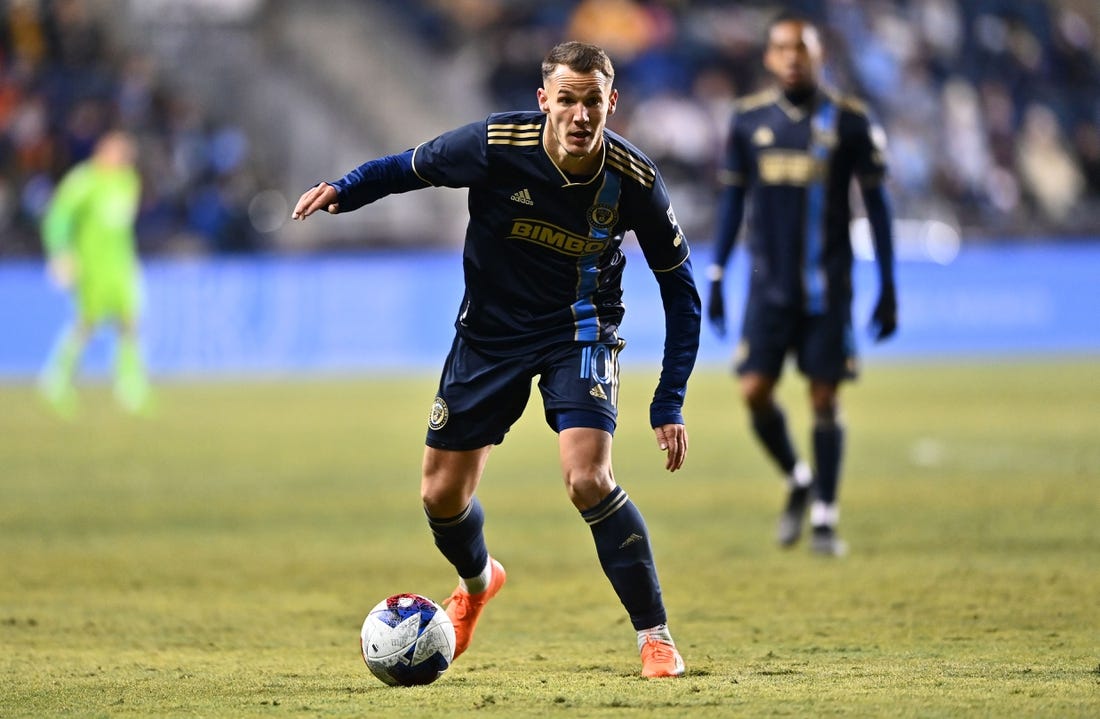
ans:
(884, 320)
(716, 308)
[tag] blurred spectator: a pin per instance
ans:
(622, 27)
(1050, 175)
(1086, 138)
(967, 158)
(958, 85)
(992, 106)
(63, 81)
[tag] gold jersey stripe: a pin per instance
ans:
(527, 135)
(630, 172)
(759, 99)
(641, 171)
(633, 160)
(505, 126)
(502, 133)
(853, 104)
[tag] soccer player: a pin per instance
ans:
(551, 194)
(794, 150)
(88, 233)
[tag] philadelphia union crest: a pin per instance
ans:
(439, 414)
(602, 217)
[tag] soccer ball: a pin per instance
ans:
(407, 640)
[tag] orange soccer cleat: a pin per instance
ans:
(464, 608)
(660, 659)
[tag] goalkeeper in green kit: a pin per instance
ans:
(88, 233)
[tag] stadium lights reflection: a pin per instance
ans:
(268, 211)
(914, 241)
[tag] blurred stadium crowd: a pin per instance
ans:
(992, 107)
(66, 75)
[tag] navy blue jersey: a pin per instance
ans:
(797, 163)
(542, 256)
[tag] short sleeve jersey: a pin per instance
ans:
(798, 164)
(542, 258)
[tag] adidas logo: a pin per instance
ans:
(523, 197)
(597, 392)
(634, 537)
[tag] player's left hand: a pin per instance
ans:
(884, 320)
(673, 440)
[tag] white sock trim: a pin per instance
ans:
(824, 515)
(478, 584)
(802, 475)
(659, 632)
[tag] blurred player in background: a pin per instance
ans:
(794, 150)
(88, 233)
(551, 194)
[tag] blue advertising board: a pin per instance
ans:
(394, 312)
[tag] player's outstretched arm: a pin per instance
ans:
(321, 197)
(672, 439)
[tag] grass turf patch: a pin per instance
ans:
(218, 558)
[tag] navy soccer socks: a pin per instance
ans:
(824, 513)
(461, 540)
(622, 545)
(770, 426)
(828, 450)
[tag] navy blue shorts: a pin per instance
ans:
(481, 397)
(823, 345)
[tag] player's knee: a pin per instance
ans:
(759, 401)
(444, 495)
(826, 415)
(442, 501)
(757, 394)
(826, 407)
(588, 486)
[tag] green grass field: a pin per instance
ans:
(218, 559)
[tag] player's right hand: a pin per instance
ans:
(321, 197)
(716, 308)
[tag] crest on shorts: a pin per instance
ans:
(439, 414)
(602, 217)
